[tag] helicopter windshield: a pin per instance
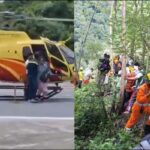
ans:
(54, 51)
(68, 54)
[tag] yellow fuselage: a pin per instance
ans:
(13, 47)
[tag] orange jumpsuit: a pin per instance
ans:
(142, 100)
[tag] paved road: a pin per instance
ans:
(36, 134)
(61, 105)
(48, 125)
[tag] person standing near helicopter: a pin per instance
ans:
(32, 72)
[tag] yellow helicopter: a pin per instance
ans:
(15, 46)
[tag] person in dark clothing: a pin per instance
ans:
(104, 65)
(104, 68)
(32, 72)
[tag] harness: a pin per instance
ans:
(140, 104)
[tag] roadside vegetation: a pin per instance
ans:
(115, 28)
(97, 126)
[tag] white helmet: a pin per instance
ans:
(145, 143)
(81, 68)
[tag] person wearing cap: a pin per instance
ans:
(128, 87)
(141, 106)
(81, 77)
(139, 81)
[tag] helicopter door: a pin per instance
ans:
(39, 51)
(57, 59)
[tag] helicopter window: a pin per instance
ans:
(54, 51)
(39, 51)
(26, 52)
(58, 64)
(68, 54)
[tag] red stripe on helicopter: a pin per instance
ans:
(5, 75)
(22, 61)
(15, 67)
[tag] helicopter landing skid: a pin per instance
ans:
(53, 91)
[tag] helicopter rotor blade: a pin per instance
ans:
(41, 18)
(50, 19)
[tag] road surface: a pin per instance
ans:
(47, 125)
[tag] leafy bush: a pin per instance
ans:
(89, 112)
(94, 127)
(121, 140)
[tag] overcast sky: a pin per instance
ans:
(1, 1)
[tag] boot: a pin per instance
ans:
(147, 130)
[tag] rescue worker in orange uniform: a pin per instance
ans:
(142, 105)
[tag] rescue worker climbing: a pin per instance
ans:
(142, 105)
(128, 87)
(139, 81)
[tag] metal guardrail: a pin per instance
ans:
(15, 87)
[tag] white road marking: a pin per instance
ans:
(35, 118)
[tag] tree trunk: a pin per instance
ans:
(110, 32)
(124, 55)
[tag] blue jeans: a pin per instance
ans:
(32, 87)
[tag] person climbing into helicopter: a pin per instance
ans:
(81, 77)
(43, 73)
(141, 106)
(32, 72)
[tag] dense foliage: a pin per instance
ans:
(97, 33)
(115, 27)
(98, 39)
(38, 9)
(137, 32)
(97, 126)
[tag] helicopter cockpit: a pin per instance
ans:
(68, 54)
(60, 56)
